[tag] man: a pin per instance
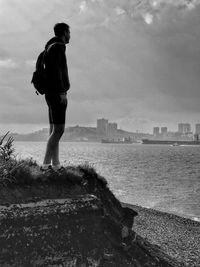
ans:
(56, 96)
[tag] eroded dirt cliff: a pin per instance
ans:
(69, 218)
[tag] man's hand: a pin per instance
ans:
(63, 99)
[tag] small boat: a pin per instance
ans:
(175, 144)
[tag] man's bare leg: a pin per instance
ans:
(46, 158)
(55, 156)
(52, 149)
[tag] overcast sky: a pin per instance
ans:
(133, 62)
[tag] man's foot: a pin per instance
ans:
(57, 167)
(46, 167)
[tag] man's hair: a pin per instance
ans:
(60, 28)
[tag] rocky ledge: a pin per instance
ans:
(69, 218)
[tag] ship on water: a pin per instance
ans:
(195, 142)
(169, 142)
(126, 140)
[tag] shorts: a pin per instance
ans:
(57, 110)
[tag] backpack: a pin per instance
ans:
(39, 78)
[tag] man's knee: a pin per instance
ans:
(59, 129)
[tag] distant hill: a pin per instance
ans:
(77, 133)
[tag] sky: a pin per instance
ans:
(134, 62)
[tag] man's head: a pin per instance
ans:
(62, 30)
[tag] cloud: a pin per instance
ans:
(190, 4)
(150, 10)
(17, 16)
(148, 18)
(119, 11)
(82, 7)
(154, 3)
(8, 63)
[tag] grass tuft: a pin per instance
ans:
(26, 172)
(13, 171)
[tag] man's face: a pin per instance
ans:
(67, 36)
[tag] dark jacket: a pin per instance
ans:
(56, 66)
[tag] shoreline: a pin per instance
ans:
(179, 237)
(193, 218)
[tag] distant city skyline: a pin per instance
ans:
(182, 127)
(113, 125)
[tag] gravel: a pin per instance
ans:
(178, 237)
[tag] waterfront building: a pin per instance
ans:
(197, 128)
(111, 128)
(184, 128)
(163, 130)
(156, 130)
(102, 126)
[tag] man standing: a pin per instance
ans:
(56, 96)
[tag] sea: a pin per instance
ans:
(162, 177)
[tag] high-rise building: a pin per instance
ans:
(163, 130)
(197, 128)
(112, 128)
(156, 130)
(184, 128)
(102, 126)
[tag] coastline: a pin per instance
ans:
(177, 236)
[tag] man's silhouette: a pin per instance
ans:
(56, 96)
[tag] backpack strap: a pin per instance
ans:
(47, 50)
(51, 45)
